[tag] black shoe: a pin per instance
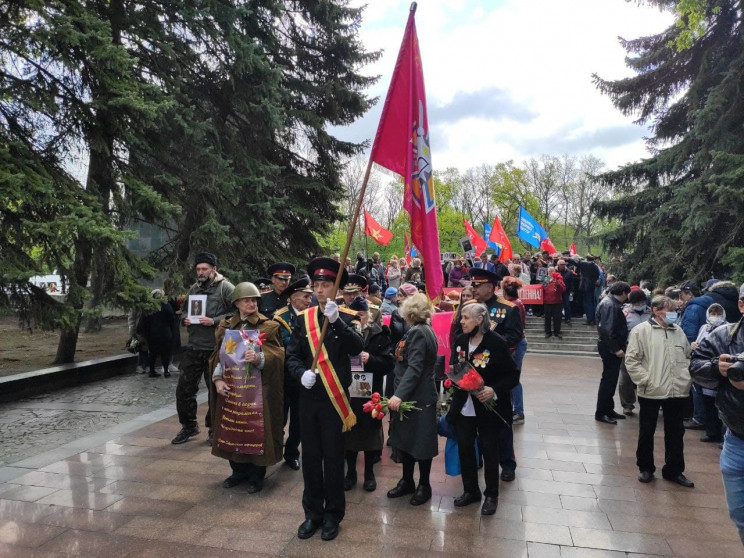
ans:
(646, 476)
(548, 335)
(254, 487)
(167, 374)
(185, 434)
(605, 419)
(349, 481)
(330, 530)
(489, 505)
(403, 487)
(153, 375)
(681, 480)
(307, 529)
(467, 498)
(421, 496)
(711, 439)
(616, 416)
(293, 464)
(231, 481)
(370, 484)
(508, 475)
(628, 411)
(692, 424)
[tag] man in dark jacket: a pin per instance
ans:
(711, 363)
(198, 350)
(281, 273)
(324, 401)
(613, 338)
(570, 282)
(589, 280)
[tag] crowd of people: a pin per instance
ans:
(674, 350)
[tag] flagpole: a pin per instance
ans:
(342, 260)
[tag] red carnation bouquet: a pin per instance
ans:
(252, 339)
(466, 378)
(378, 407)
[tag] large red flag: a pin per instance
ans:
(498, 235)
(546, 244)
(375, 230)
(475, 239)
(408, 249)
(402, 146)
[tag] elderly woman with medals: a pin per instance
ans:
(483, 412)
(248, 377)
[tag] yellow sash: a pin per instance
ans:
(327, 373)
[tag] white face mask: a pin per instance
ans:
(715, 321)
(639, 307)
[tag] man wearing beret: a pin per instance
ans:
(300, 295)
(196, 353)
(324, 398)
(281, 273)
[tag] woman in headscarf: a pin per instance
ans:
(268, 361)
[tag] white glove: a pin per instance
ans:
(308, 378)
(331, 311)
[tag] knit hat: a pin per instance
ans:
(390, 292)
(409, 289)
(359, 304)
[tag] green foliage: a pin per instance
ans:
(678, 212)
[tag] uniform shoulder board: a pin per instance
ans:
(505, 302)
(282, 322)
(344, 310)
(281, 310)
(373, 306)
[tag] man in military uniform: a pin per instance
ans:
(196, 353)
(353, 288)
(324, 398)
(300, 295)
(281, 273)
(507, 322)
(264, 285)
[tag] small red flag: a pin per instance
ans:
(475, 239)
(498, 235)
(375, 230)
(548, 245)
(408, 248)
(572, 250)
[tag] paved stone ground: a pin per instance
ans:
(125, 491)
(32, 425)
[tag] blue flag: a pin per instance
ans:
(414, 253)
(529, 229)
(486, 234)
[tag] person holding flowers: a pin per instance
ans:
(366, 436)
(486, 410)
(264, 356)
(415, 437)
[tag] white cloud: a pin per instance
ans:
(539, 55)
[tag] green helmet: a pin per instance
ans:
(245, 290)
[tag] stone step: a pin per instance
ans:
(540, 338)
(559, 346)
(531, 351)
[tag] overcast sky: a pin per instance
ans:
(511, 79)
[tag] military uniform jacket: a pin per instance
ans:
(508, 323)
(343, 339)
(272, 301)
(287, 319)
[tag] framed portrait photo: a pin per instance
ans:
(197, 307)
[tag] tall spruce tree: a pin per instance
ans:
(681, 211)
(205, 117)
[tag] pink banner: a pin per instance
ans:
(386, 320)
(441, 322)
(531, 294)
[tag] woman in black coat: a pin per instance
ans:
(415, 438)
(366, 436)
(489, 355)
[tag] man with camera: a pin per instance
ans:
(720, 358)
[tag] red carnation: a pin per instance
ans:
(447, 383)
